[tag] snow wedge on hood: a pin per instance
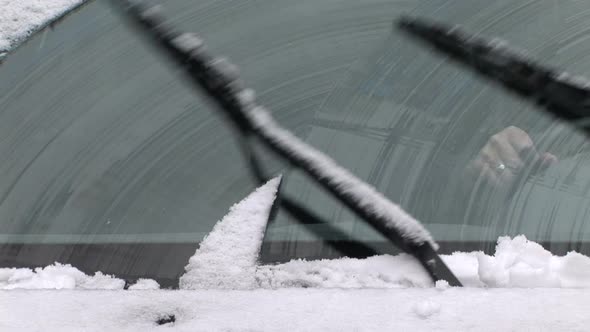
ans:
(227, 257)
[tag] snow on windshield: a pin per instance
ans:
(227, 259)
(20, 18)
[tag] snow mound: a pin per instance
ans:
(519, 262)
(425, 309)
(227, 257)
(56, 276)
(145, 284)
(21, 18)
(382, 271)
(441, 285)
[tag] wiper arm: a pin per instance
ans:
(556, 92)
(219, 80)
(304, 217)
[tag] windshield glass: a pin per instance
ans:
(112, 163)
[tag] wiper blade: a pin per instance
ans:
(560, 94)
(219, 79)
(306, 218)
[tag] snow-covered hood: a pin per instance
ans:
(412, 309)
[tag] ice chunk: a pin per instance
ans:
(441, 284)
(574, 270)
(427, 308)
(145, 284)
(491, 272)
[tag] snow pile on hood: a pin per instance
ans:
(20, 18)
(56, 276)
(60, 276)
(517, 262)
(384, 271)
(522, 263)
(145, 284)
(227, 257)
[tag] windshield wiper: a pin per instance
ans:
(219, 79)
(558, 93)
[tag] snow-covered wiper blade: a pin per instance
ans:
(562, 95)
(219, 79)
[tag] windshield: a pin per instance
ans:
(111, 163)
